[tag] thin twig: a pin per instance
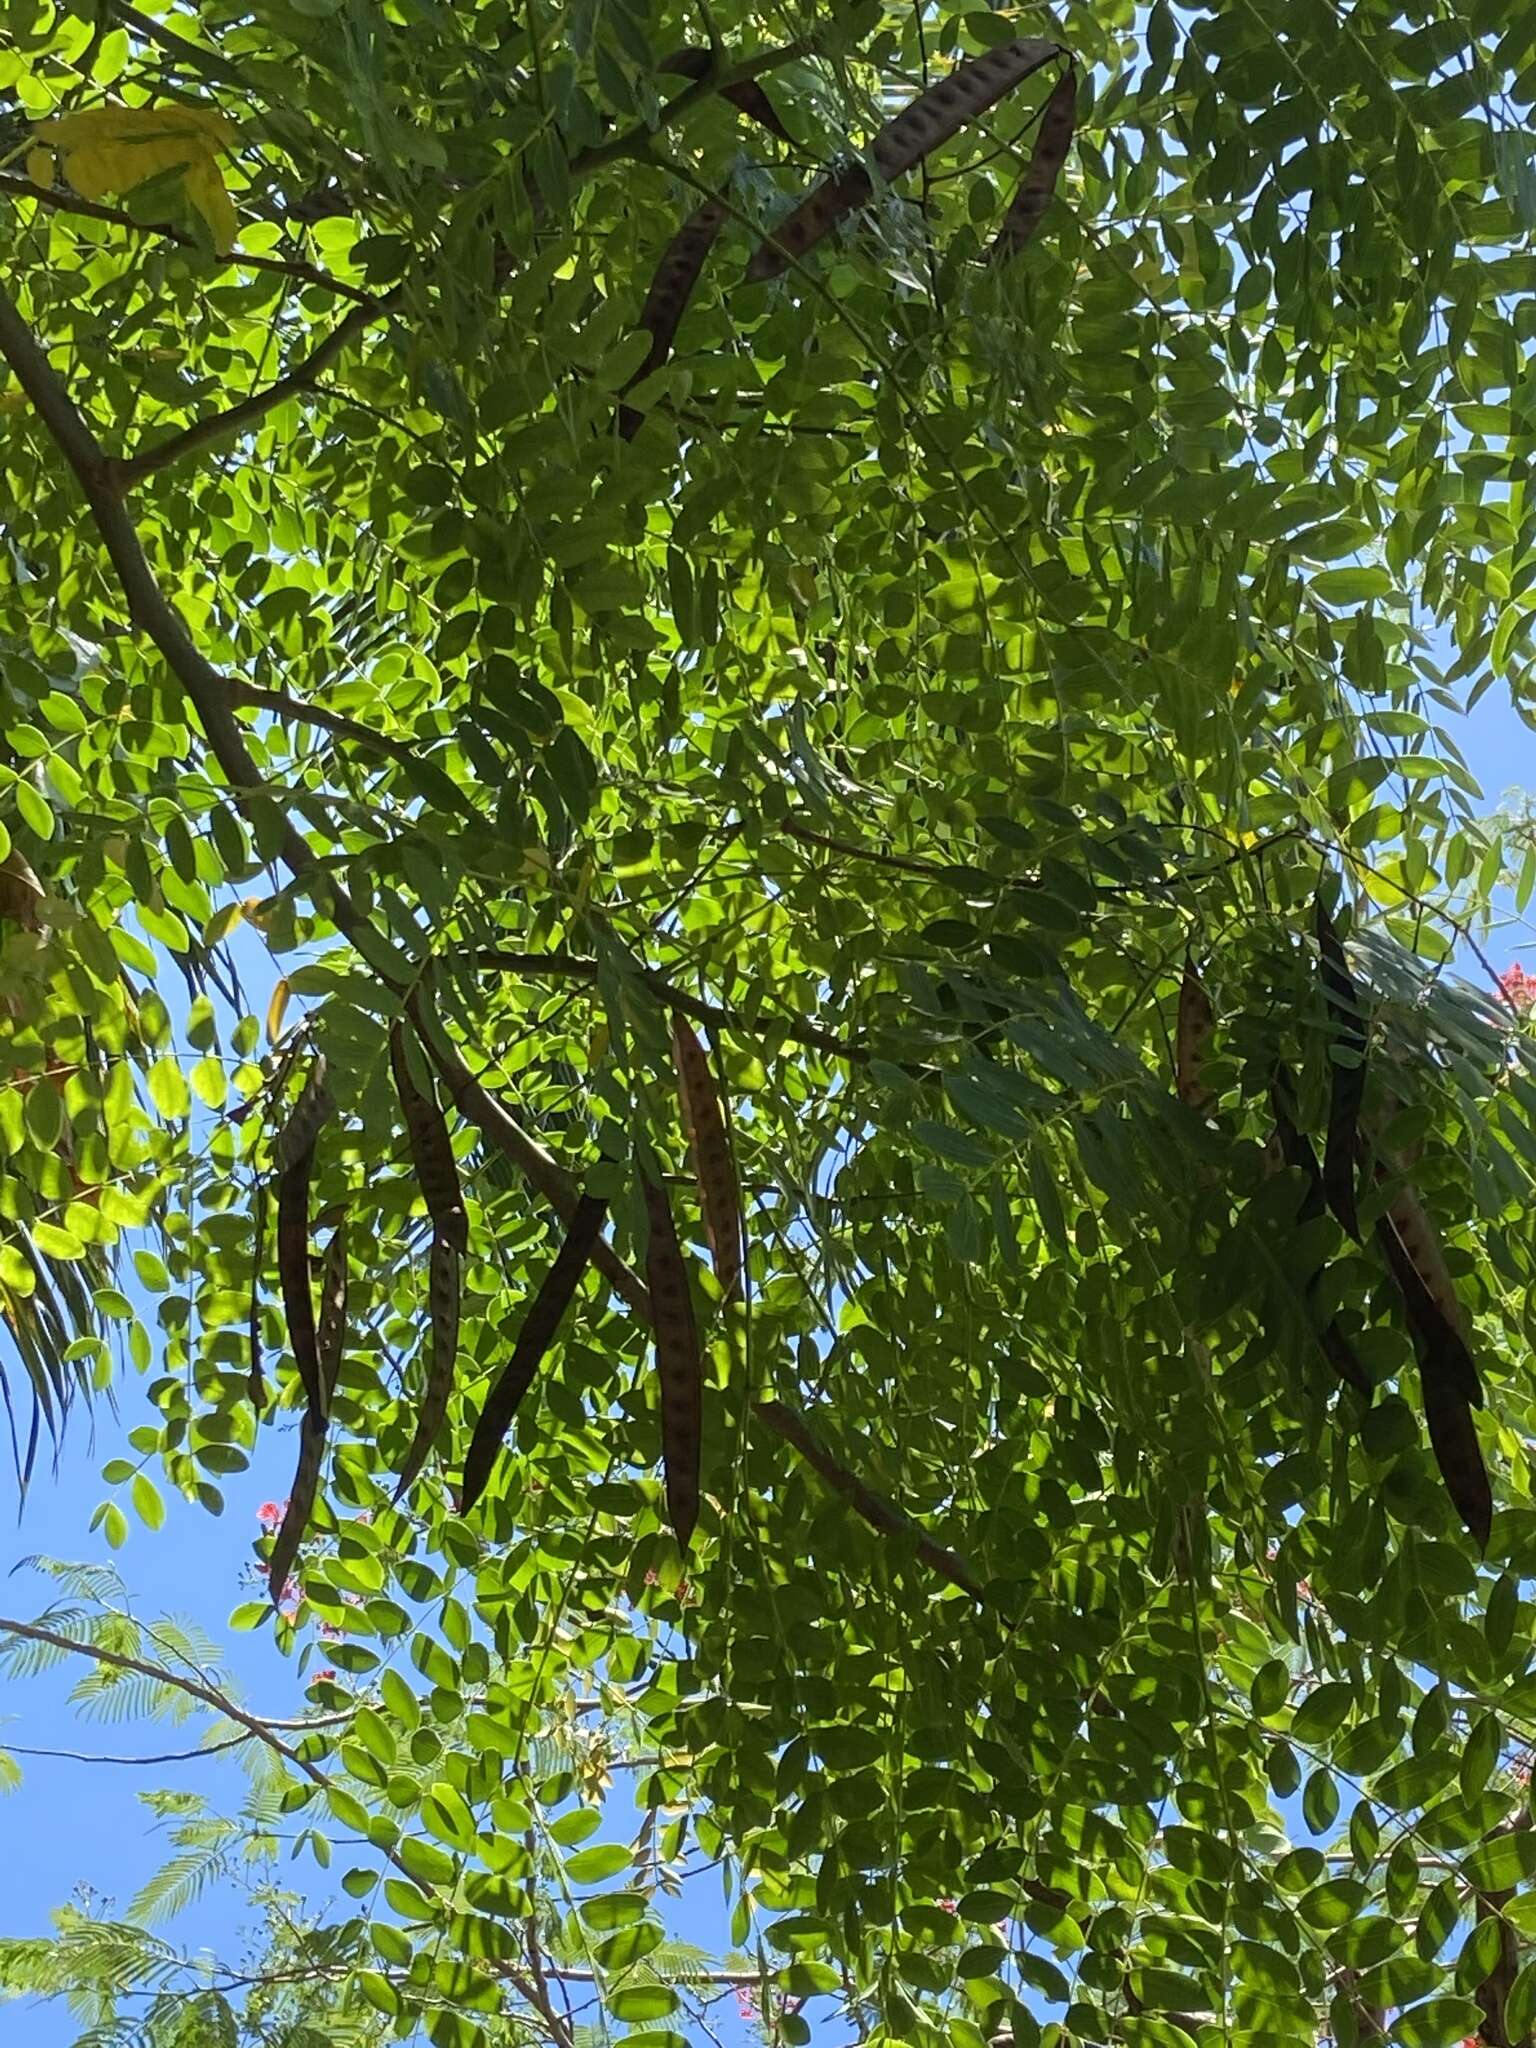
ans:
(16, 187)
(220, 425)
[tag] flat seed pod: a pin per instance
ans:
(1053, 138)
(1347, 1077)
(539, 1328)
(679, 1365)
(1295, 1150)
(1438, 1334)
(301, 1505)
(1421, 1241)
(333, 1313)
(671, 288)
(431, 1148)
(1459, 1455)
(443, 1303)
(311, 1110)
(293, 1278)
(710, 1145)
(746, 96)
(932, 118)
(1196, 1023)
(256, 1384)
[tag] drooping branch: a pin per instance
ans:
(572, 966)
(870, 1506)
(16, 187)
(213, 697)
(235, 419)
(281, 705)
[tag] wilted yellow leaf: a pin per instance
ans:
(113, 149)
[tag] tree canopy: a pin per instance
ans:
(740, 917)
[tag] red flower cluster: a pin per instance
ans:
(1519, 987)
(327, 1676)
(271, 1512)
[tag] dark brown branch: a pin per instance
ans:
(219, 426)
(636, 141)
(68, 202)
(212, 696)
(33, 1632)
(210, 693)
(870, 1506)
(575, 967)
(283, 706)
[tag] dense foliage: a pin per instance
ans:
(917, 748)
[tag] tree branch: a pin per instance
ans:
(16, 187)
(636, 141)
(871, 1507)
(573, 966)
(283, 706)
(211, 694)
(219, 426)
(33, 1632)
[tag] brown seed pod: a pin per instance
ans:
(311, 1110)
(293, 1277)
(431, 1147)
(256, 1384)
(932, 118)
(301, 1505)
(332, 1332)
(539, 1328)
(1196, 1023)
(746, 96)
(671, 288)
(710, 1145)
(1346, 1091)
(443, 1304)
(1026, 210)
(679, 1365)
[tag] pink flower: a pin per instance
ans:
(948, 1906)
(271, 1512)
(650, 1578)
(1519, 987)
(325, 1677)
(329, 1632)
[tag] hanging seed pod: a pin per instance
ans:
(932, 118)
(256, 1385)
(301, 1505)
(1196, 1023)
(1459, 1455)
(331, 1335)
(443, 1304)
(679, 1366)
(1026, 210)
(746, 96)
(671, 288)
(539, 1328)
(311, 1110)
(1347, 1073)
(431, 1148)
(293, 1277)
(1296, 1151)
(709, 1144)
(1421, 1241)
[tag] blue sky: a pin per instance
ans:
(72, 1822)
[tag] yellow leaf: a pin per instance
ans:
(204, 186)
(277, 1009)
(40, 167)
(113, 149)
